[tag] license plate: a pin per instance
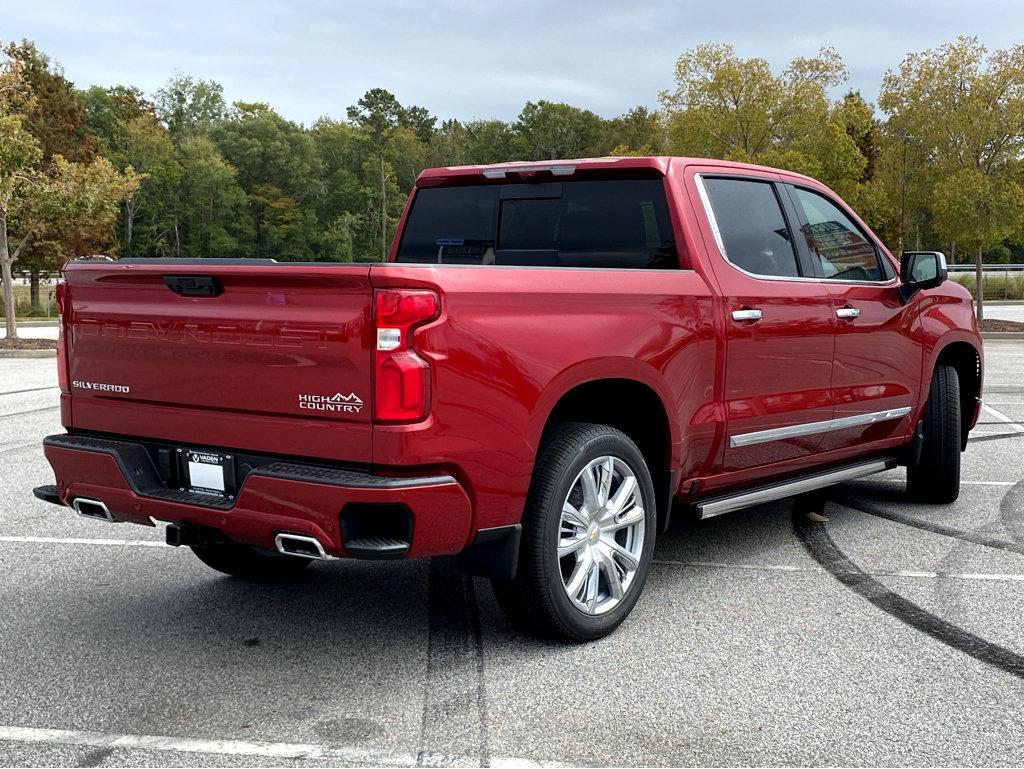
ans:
(208, 472)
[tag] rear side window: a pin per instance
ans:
(753, 228)
(845, 253)
(608, 223)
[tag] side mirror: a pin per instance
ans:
(920, 270)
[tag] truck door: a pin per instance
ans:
(877, 363)
(779, 324)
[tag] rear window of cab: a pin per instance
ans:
(619, 224)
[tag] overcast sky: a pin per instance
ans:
(475, 60)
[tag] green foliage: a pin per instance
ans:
(194, 176)
(492, 141)
(549, 131)
(957, 117)
(67, 206)
(639, 131)
(738, 109)
(210, 208)
(188, 106)
(55, 117)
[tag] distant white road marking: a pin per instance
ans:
(962, 483)
(272, 750)
(1011, 423)
(276, 750)
(74, 541)
(778, 567)
(819, 570)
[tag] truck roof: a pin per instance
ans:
(433, 177)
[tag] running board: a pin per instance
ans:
(727, 503)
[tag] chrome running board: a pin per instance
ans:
(727, 503)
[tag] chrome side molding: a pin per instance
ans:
(812, 428)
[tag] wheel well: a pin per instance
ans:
(632, 407)
(964, 358)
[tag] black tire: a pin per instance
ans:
(537, 598)
(250, 563)
(936, 478)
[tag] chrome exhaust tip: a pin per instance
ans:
(92, 508)
(300, 546)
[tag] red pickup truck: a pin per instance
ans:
(555, 356)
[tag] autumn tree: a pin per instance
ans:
(56, 119)
(960, 113)
(37, 198)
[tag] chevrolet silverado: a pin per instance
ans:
(554, 358)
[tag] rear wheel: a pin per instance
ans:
(936, 478)
(588, 535)
(248, 562)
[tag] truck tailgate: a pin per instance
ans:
(273, 353)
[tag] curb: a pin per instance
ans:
(1007, 335)
(37, 323)
(28, 353)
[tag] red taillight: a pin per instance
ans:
(60, 297)
(401, 377)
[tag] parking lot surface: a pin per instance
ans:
(891, 635)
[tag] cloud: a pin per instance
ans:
(468, 59)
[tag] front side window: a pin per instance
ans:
(752, 226)
(836, 242)
(610, 223)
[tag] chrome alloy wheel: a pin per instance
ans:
(601, 535)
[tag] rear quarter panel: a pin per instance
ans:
(511, 341)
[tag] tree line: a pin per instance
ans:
(182, 173)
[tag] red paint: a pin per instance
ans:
(506, 344)
(267, 506)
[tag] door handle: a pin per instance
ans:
(847, 312)
(746, 313)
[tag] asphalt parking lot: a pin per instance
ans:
(891, 635)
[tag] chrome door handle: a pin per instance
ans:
(747, 314)
(847, 312)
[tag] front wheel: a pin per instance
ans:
(588, 535)
(936, 477)
(248, 562)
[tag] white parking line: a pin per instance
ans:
(819, 570)
(276, 750)
(272, 750)
(661, 561)
(1011, 423)
(962, 483)
(72, 541)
